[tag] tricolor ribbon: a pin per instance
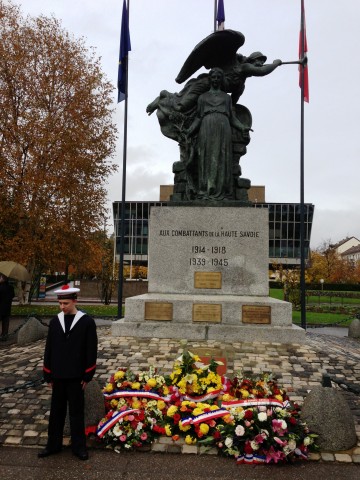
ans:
(135, 393)
(205, 417)
(249, 458)
(255, 402)
(116, 416)
(202, 398)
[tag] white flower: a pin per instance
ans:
(117, 430)
(308, 441)
(262, 417)
(254, 445)
(264, 433)
(228, 441)
(281, 412)
(283, 425)
(239, 430)
(139, 426)
(238, 414)
(292, 444)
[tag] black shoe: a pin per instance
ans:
(47, 452)
(82, 454)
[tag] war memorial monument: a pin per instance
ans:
(208, 248)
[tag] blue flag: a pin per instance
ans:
(220, 17)
(125, 47)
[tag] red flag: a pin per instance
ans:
(302, 54)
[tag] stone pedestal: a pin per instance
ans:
(208, 279)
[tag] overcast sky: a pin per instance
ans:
(163, 33)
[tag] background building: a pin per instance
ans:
(284, 227)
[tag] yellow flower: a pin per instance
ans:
(165, 390)
(136, 404)
(168, 430)
(151, 382)
(189, 440)
(279, 397)
(244, 393)
(172, 410)
(119, 375)
(161, 404)
(184, 428)
(214, 407)
(135, 386)
(227, 398)
(197, 411)
(182, 386)
(108, 388)
(114, 403)
(204, 428)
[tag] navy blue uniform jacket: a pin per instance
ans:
(71, 355)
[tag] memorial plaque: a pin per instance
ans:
(206, 312)
(256, 314)
(207, 280)
(158, 311)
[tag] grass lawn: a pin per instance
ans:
(315, 318)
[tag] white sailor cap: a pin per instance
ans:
(67, 292)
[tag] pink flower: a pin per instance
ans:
(279, 441)
(259, 438)
(143, 436)
(131, 418)
(123, 438)
(274, 455)
(277, 426)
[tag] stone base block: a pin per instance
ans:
(227, 319)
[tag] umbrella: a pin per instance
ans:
(14, 270)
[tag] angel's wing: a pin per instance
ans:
(216, 50)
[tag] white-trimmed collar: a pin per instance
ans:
(77, 317)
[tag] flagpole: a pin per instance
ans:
(123, 197)
(302, 204)
(215, 13)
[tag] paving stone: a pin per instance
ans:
(343, 457)
(297, 367)
(327, 457)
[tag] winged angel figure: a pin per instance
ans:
(212, 130)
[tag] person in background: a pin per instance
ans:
(69, 364)
(6, 297)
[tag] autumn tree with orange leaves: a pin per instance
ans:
(57, 139)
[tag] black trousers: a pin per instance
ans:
(67, 392)
(5, 320)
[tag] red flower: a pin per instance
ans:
(217, 435)
(176, 418)
(292, 420)
(248, 414)
(248, 448)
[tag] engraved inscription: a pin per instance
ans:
(207, 312)
(158, 311)
(207, 280)
(256, 314)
